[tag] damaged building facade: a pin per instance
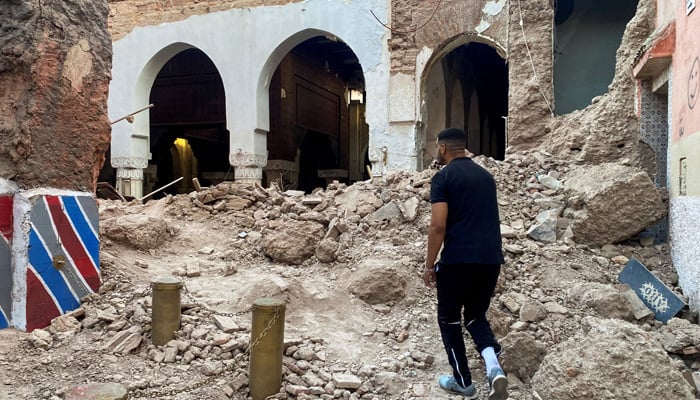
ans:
(336, 88)
(302, 93)
(342, 86)
(667, 68)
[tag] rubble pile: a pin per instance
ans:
(360, 325)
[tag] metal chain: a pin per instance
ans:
(211, 310)
(264, 331)
(141, 393)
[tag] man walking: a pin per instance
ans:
(465, 223)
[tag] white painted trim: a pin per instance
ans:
(7, 187)
(21, 208)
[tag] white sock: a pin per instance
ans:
(490, 359)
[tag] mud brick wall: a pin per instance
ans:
(125, 15)
(55, 63)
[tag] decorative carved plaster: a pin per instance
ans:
(244, 159)
(129, 162)
(130, 173)
(378, 157)
(248, 173)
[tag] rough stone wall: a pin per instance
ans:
(55, 62)
(125, 15)
(530, 94)
(431, 23)
(418, 24)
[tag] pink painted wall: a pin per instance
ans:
(686, 75)
(666, 11)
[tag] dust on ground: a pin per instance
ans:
(359, 323)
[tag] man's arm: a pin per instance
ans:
(436, 235)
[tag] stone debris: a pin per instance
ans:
(97, 391)
(378, 282)
(611, 192)
(610, 350)
(140, 231)
(41, 339)
(125, 341)
(365, 244)
(292, 241)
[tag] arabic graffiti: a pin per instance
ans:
(654, 298)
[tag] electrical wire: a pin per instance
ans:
(532, 63)
(411, 30)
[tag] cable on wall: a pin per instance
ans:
(411, 30)
(534, 71)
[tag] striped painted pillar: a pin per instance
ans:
(55, 257)
(5, 260)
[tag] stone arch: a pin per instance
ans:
(307, 148)
(140, 137)
(263, 96)
(147, 77)
(437, 71)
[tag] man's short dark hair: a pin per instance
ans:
(454, 138)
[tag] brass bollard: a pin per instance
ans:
(267, 336)
(165, 318)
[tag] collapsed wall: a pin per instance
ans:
(608, 129)
(55, 61)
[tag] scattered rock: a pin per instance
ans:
(611, 192)
(139, 231)
(292, 241)
(612, 359)
(378, 282)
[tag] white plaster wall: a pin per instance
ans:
(246, 46)
(7, 187)
(685, 252)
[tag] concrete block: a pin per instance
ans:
(55, 254)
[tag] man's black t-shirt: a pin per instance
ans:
(473, 233)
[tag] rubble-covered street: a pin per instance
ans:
(232, 102)
(359, 322)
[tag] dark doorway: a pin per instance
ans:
(317, 116)
(188, 125)
(316, 154)
(468, 89)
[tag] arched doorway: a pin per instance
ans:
(188, 136)
(467, 88)
(317, 117)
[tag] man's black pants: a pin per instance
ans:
(465, 289)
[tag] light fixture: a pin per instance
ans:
(357, 95)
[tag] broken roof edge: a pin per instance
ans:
(656, 54)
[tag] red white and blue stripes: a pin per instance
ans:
(5, 260)
(63, 256)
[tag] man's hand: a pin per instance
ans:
(429, 277)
